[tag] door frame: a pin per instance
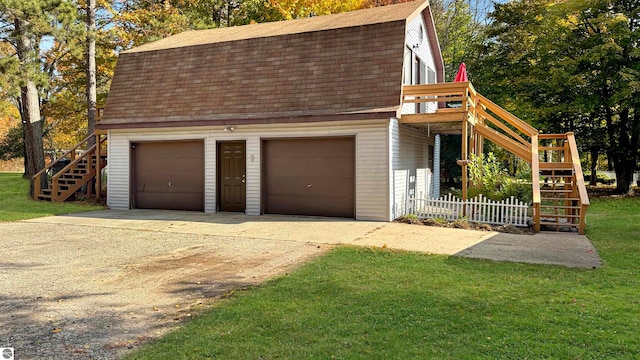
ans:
(219, 145)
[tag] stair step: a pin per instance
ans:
(559, 207)
(556, 177)
(559, 199)
(556, 190)
(71, 176)
(556, 166)
(557, 216)
(551, 148)
(44, 197)
(551, 223)
(67, 181)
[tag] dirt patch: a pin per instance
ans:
(97, 293)
(464, 224)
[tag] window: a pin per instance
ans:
(408, 71)
(431, 76)
(420, 78)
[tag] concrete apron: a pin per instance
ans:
(545, 248)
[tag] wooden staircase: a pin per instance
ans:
(560, 200)
(81, 171)
(564, 200)
(560, 197)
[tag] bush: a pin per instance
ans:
(488, 178)
(518, 189)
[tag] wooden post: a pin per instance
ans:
(569, 203)
(98, 168)
(535, 182)
(37, 188)
(472, 145)
(465, 152)
(54, 190)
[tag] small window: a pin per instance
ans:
(408, 71)
(420, 78)
(431, 76)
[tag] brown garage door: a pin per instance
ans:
(168, 175)
(309, 176)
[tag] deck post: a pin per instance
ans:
(435, 179)
(465, 152)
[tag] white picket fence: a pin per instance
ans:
(479, 209)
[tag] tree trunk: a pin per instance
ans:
(30, 106)
(594, 166)
(624, 174)
(34, 151)
(91, 69)
(625, 155)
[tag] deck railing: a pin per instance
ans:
(443, 94)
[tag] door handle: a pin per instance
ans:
(244, 180)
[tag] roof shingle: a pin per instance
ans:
(349, 63)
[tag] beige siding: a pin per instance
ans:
(371, 159)
(210, 150)
(410, 175)
(118, 172)
(253, 176)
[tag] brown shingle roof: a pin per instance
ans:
(349, 63)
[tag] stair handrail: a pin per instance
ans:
(87, 153)
(75, 159)
(37, 178)
(577, 168)
(72, 151)
(507, 116)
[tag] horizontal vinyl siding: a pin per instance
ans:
(371, 159)
(410, 175)
(371, 171)
(253, 179)
(424, 52)
(210, 151)
(118, 172)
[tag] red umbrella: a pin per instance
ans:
(461, 76)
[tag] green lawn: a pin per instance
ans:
(15, 203)
(377, 304)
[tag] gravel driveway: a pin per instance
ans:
(88, 292)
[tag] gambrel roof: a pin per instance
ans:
(333, 67)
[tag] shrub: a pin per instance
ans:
(489, 178)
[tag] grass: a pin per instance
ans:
(357, 303)
(15, 203)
